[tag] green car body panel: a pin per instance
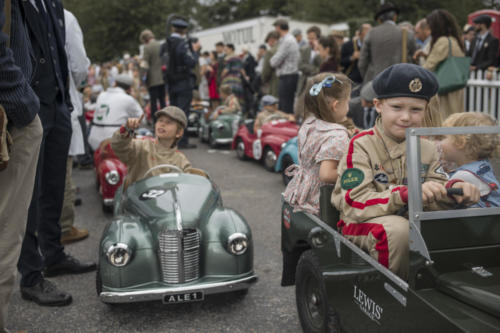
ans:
(220, 130)
(145, 210)
(443, 296)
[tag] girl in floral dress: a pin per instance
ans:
(322, 140)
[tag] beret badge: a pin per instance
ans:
(415, 85)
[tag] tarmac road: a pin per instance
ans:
(245, 186)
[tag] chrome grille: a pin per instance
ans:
(179, 255)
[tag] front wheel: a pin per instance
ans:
(211, 140)
(269, 159)
(240, 149)
(312, 304)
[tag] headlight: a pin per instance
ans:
(220, 126)
(112, 177)
(193, 117)
(118, 254)
(237, 244)
(283, 145)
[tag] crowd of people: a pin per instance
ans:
(336, 87)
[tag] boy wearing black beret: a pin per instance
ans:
(373, 182)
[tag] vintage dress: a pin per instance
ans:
(318, 141)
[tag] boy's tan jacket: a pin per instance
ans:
(141, 155)
(373, 178)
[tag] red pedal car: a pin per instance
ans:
(266, 145)
(110, 172)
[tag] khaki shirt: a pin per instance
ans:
(372, 176)
(264, 116)
(140, 155)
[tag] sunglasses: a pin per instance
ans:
(327, 83)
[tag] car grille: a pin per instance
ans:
(179, 255)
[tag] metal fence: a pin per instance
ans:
(482, 94)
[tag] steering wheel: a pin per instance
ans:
(170, 166)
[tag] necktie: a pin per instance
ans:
(42, 11)
(477, 47)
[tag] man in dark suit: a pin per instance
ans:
(42, 242)
(349, 54)
(483, 49)
(361, 109)
(183, 58)
(21, 107)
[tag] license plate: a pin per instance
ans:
(194, 296)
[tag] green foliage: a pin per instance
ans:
(112, 27)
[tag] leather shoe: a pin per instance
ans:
(188, 146)
(46, 293)
(73, 235)
(69, 265)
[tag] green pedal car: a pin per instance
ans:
(171, 240)
(219, 131)
(454, 266)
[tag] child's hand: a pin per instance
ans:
(433, 191)
(471, 193)
(134, 123)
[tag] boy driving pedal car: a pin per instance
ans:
(142, 155)
(372, 184)
(270, 112)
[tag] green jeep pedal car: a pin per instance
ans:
(454, 272)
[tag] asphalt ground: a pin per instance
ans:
(245, 186)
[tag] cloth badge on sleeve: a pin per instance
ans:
(382, 178)
(351, 178)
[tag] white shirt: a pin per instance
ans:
(113, 108)
(78, 64)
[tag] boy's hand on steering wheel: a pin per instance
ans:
(471, 193)
(433, 191)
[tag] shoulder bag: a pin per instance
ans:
(452, 73)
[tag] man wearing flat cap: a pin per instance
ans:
(484, 47)
(113, 107)
(383, 45)
(183, 57)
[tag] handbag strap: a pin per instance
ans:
(449, 47)
(404, 51)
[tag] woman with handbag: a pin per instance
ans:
(447, 44)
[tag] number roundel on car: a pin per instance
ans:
(152, 193)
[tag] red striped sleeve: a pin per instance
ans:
(351, 146)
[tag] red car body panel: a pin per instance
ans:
(274, 134)
(105, 161)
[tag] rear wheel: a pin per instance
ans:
(107, 209)
(240, 149)
(312, 304)
(286, 162)
(269, 159)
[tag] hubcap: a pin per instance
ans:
(240, 149)
(270, 159)
(313, 302)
